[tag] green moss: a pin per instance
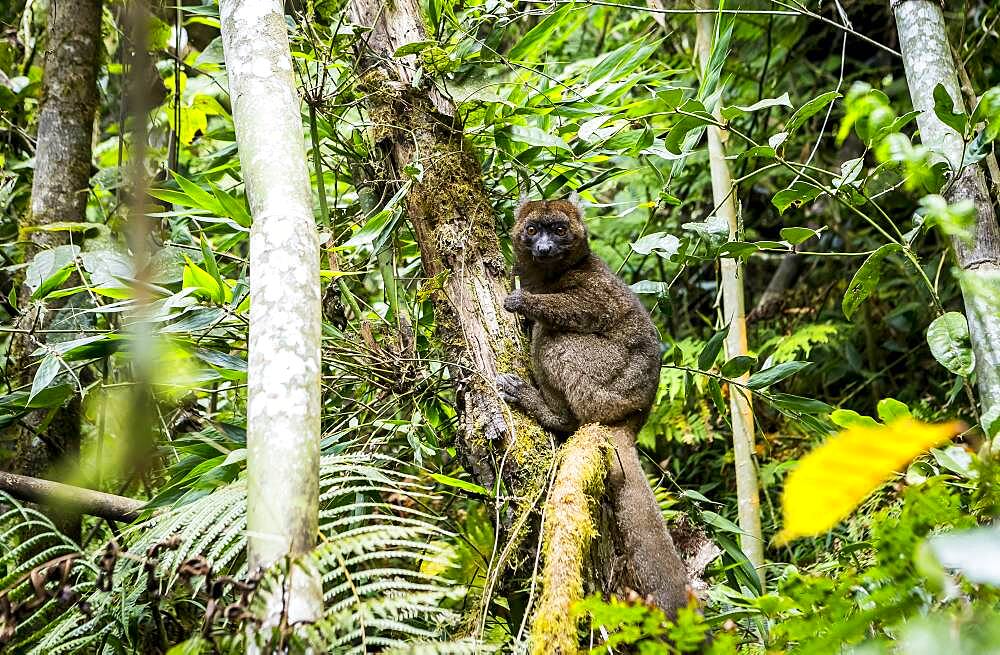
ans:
(569, 531)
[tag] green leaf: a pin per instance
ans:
(944, 108)
(796, 195)
(738, 365)
(712, 348)
(537, 36)
(866, 279)
(715, 390)
(663, 244)
(732, 112)
(413, 48)
(534, 136)
(806, 111)
(789, 402)
(720, 522)
(199, 197)
(460, 484)
(686, 123)
(769, 376)
(848, 418)
(44, 376)
(49, 268)
(622, 61)
(948, 338)
(797, 235)
(649, 287)
(890, 409)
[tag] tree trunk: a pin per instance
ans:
(733, 310)
(59, 192)
(928, 61)
(283, 413)
(453, 222)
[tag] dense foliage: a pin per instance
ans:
(599, 98)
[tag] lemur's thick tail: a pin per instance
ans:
(658, 568)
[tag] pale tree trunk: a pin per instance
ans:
(59, 193)
(741, 411)
(283, 413)
(928, 61)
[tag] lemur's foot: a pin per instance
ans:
(512, 388)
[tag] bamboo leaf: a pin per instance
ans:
(769, 376)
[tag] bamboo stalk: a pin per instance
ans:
(735, 316)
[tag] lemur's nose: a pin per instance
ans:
(543, 248)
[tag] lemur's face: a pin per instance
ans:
(550, 232)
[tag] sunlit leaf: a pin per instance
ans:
(832, 480)
(948, 338)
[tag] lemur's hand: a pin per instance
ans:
(514, 302)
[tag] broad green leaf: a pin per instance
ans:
(715, 229)
(738, 365)
(806, 111)
(685, 123)
(834, 478)
(796, 195)
(413, 48)
(955, 459)
(41, 273)
(663, 244)
(769, 376)
(649, 287)
(890, 409)
(534, 136)
(797, 235)
(712, 348)
(948, 338)
(866, 279)
(781, 101)
(848, 418)
(944, 108)
(44, 376)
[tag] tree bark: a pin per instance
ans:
(453, 222)
(928, 61)
(733, 310)
(283, 412)
(59, 191)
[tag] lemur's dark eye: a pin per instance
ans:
(531, 230)
(561, 230)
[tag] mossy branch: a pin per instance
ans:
(569, 530)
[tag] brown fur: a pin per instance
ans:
(595, 359)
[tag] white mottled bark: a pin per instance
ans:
(748, 500)
(928, 61)
(283, 414)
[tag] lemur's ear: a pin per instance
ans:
(574, 199)
(523, 206)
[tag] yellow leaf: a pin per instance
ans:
(833, 479)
